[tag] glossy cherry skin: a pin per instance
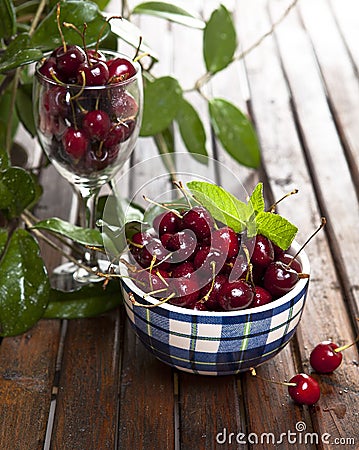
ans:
(236, 295)
(120, 69)
(306, 391)
(151, 282)
(324, 359)
(225, 240)
(209, 293)
(263, 253)
(261, 297)
(186, 291)
(166, 222)
(97, 124)
(183, 245)
(75, 142)
(199, 220)
(94, 75)
(279, 279)
(69, 60)
(286, 258)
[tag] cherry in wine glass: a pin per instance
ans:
(88, 124)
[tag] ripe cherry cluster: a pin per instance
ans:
(201, 264)
(86, 126)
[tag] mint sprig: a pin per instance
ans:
(240, 216)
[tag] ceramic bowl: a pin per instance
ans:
(216, 343)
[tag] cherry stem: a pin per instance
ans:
(344, 347)
(322, 224)
(103, 29)
(250, 265)
(273, 207)
(59, 27)
(206, 297)
(282, 383)
(162, 206)
(138, 48)
(136, 303)
(180, 186)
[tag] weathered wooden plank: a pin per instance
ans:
(286, 167)
(147, 398)
(27, 365)
(86, 410)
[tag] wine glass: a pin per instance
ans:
(88, 118)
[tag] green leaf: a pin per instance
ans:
(235, 132)
(191, 129)
(24, 285)
(221, 204)
(219, 40)
(84, 236)
(169, 12)
(19, 53)
(256, 199)
(161, 103)
(47, 36)
(24, 107)
(89, 301)
(8, 19)
(6, 109)
(276, 228)
(17, 190)
(3, 240)
(4, 157)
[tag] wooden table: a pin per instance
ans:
(90, 384)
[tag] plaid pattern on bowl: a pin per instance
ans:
(215, 343)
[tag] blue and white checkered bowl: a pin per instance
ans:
(216, 343)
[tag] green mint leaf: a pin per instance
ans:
(276, 228)
(223, 206)
(256, 200)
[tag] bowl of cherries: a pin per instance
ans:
(217, 286)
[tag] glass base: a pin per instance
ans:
(70, 277)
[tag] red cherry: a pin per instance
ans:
(166, 222)
(97, 124)
(263, 253)
(186, 290)
(236, 295)
(199, 220)
(226, 241)
(261, 297)
(286, 258)
(69, 60)
(95, 75)
(75, 142)
(120, 69)
(279, 278)
(324, 358)
(306, 390)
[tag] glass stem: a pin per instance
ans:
(87, 216)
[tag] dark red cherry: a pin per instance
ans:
(141, 238)
(183, 270)
(95, 55)
(75, 142)
(95, 74)
(263, 253)
(286, 258)
(183, 245)
(186, 291)
(261, 297)
(123, 104)
(166, 222)
(97, 124)
(306, 390)
(152, 282)
(209, 293)
(69, 59)
(279, 279)
(236, 295)
(49, 69)
(119, 132)
(120, 69)
(225, 240)
(199, 220)
(324, 358)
